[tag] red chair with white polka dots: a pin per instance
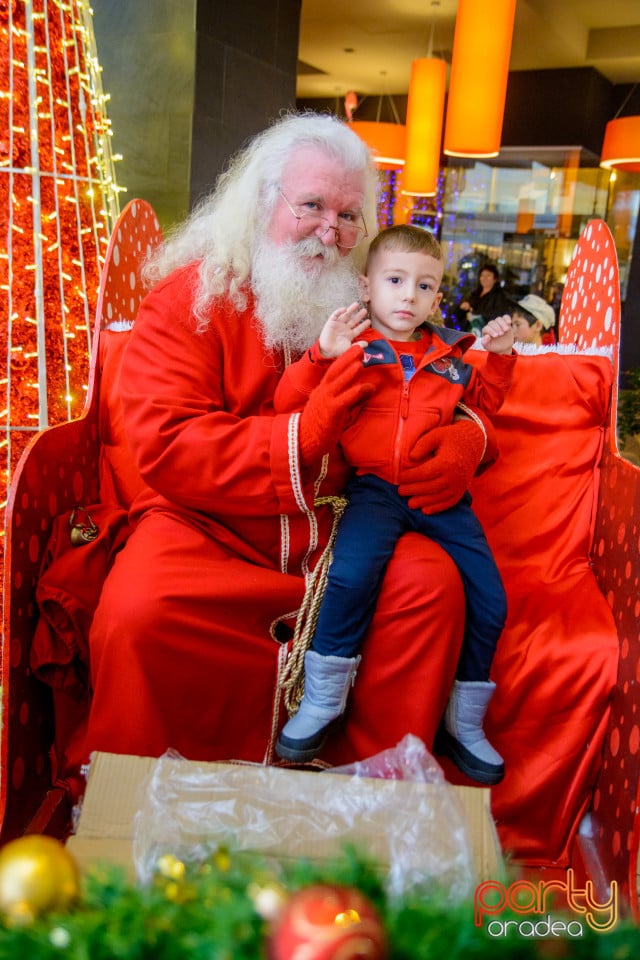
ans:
(82, 461)
(561, 508)
(608, 839)
(58, 471)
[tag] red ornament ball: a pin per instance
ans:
(328, 923)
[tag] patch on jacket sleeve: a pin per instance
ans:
(451, 369)
(378, 351)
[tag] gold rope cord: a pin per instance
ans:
(292, 680)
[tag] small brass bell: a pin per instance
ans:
(82, 530)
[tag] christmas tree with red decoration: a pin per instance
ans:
(58, 203)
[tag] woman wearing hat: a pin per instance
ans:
(533, 320)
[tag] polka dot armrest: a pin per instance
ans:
(561, 509)
(41, 729)
(610, 832)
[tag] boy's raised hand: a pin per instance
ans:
(332, 405)
(342, 328)
(497, 336)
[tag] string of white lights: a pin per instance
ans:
(36, 208)
(59, 200)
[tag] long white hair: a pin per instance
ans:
(223, 228)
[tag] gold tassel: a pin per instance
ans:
(292, 681)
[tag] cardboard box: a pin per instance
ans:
(281, 812)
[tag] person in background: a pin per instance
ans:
(555, 298)
(488, 300)
(533, 320)
(420, 378)
(192, 628)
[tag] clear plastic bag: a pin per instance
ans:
(409, 760)
(396, 807)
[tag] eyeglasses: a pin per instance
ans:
(348, 234)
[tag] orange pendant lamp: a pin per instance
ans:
(425, 106)
(479, 73)
(386, 141)
(621, 145)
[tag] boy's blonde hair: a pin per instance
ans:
(406, 238)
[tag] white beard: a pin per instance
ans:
(294, 298)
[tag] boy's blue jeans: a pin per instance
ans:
(374, 520)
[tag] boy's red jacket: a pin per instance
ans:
(386, 428)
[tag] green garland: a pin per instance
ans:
(208, 912)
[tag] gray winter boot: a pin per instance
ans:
(461, 736)
(326, 687)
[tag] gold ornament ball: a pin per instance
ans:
(37, 874)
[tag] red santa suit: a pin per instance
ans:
(192, 627)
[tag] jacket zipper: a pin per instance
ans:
(404, 413)
(443, 350)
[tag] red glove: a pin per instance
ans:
(443, 464)
(332, 405)
(465, 411)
